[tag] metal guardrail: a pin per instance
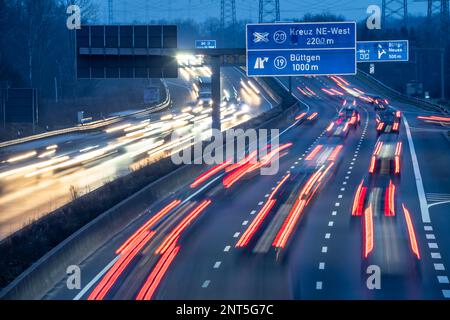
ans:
(90, 126)
(416, 101)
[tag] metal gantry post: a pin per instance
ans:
(269, 10)
(397, 9)
(228, 18)
(215, 91)
(110, 11)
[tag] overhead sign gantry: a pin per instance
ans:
(293, 49)
(383, 51)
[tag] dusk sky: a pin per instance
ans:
(127, 11)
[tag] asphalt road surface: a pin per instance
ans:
(299, 238)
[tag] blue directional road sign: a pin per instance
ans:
(205, 44)
(292, 49)
(382, 51)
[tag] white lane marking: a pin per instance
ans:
(334, 213)
(321, 265)
(337, 204)
(430, 236)
(418, 176)
(245, 223)
(236, 234)
(96, 278)
(253, 212)
(217, 264)
(260, 203)
(446, 293)
(439, 267)
(428, 228)
(443, 279)
(340, 196)
(227, 248)
(206, 284)
(330, 224)
(319, 285)
(324, 249)
(432, 245)
(104, 270)
(342, 189)
(266, 196)
(327, 235)
(345, 182)
(435, 255)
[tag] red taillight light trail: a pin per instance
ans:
(411, 232)
(398, 148)
(160, 269)
(312, 92)
(346, 126)
(233, 177)
(380, 126)
(373, 162)
(358, 202)
(378, 148)
(359, 91)
(175, 233)
(119, 266)
(250, 158)
(248, 234)
(303, 92)
(300, 116)
(389, 208)
(314, 152)
(368, 231)
(330, 126)
(335, 152)
(209, 173)
(397, 113)
(150, 223)
(434, 118)
(344, 102)
(397, 164)
(328, 92)
(312, 116)
(342, 80)
(289, 223)
(395, 126)
(337, 92)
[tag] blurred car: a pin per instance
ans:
(386, 156)
(378, 103)
(352, 115)
(339, 127)
(388, 121)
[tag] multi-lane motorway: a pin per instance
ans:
(40, 176)
(305, 232)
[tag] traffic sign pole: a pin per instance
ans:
(215, 91)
